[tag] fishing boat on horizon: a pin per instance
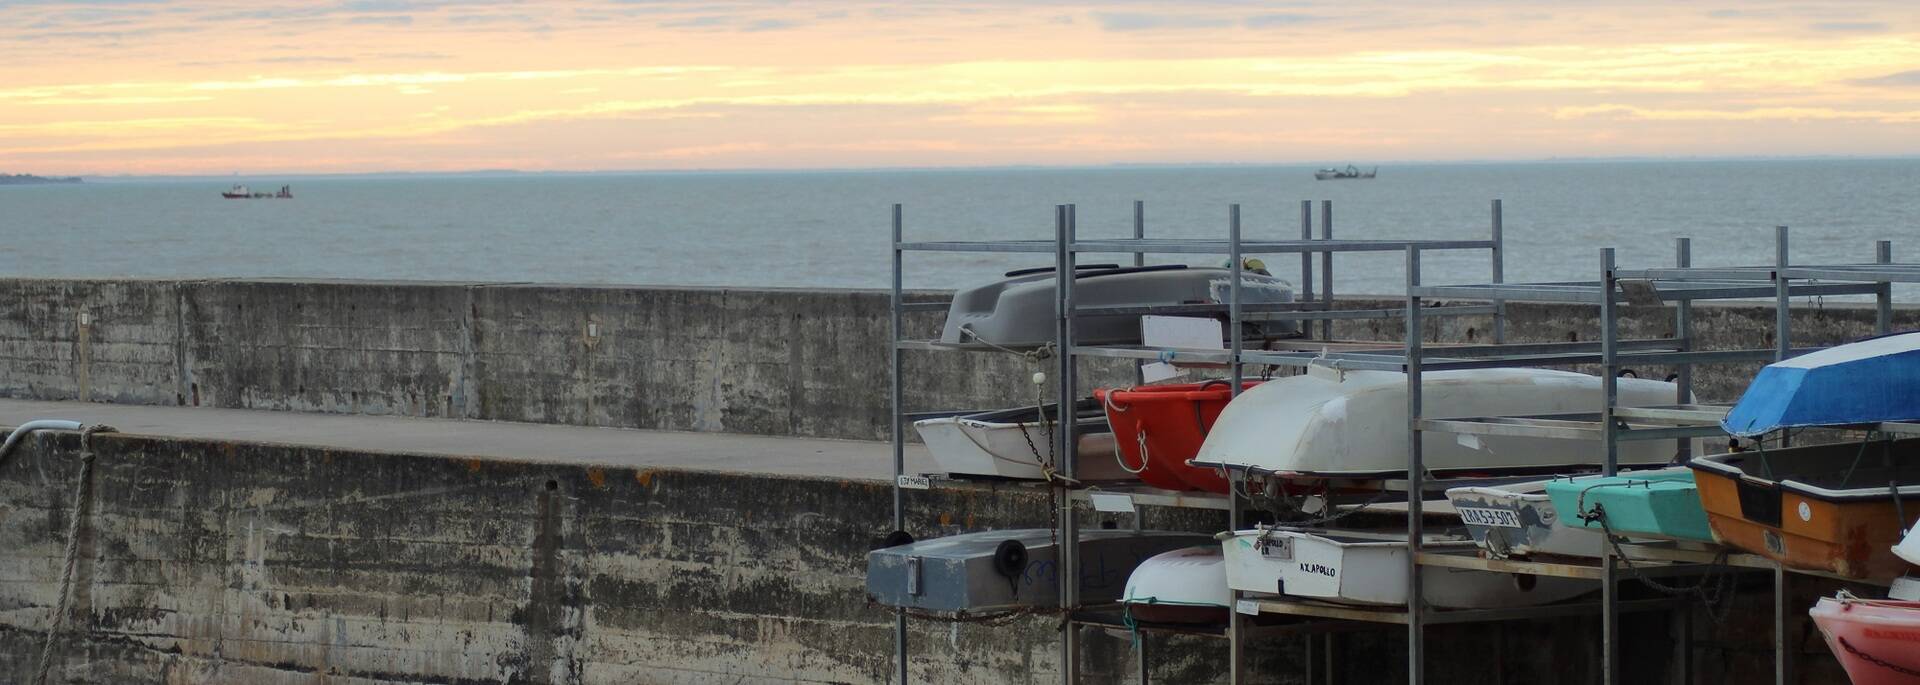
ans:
(1354, 172)
(241, 192)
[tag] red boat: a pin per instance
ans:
(1876, 640)
(1168, 423)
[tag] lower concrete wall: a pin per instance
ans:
(218, 562)
(773, 362)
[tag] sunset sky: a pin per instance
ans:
(385, 85)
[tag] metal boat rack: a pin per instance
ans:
(1678, 286)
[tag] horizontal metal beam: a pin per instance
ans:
(1872, 273)
(1563, 427)
(1392, 313)
(1509, 350)
(1155, 497)
(1794, 289)
(1900, 428)
(1698, 273)
(1666, 291)
(1177, 309)
(1044, 246)
(1191, 356)
(1216, 246)
(1567, 293)
(1354, 361)
(1515, 427)
(1532, 568)
(1679, 414)
(939, 346)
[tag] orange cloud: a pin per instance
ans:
(436, 85)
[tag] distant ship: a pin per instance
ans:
(1351, 171)
(242, 193)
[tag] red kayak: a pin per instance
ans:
(1170, 422)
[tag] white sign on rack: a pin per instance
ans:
(1118, 504)
(1190, 332)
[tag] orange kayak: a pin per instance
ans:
(1168, 423)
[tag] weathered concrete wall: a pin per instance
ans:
(213, 562)
(775, 362)
(218, 562)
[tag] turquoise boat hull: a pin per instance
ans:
(1658, 503)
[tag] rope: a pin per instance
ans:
(1042, 351)
(82, 497)
(1119, 457)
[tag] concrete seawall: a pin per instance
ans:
(219, 561)
(767, 362)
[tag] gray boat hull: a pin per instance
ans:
(1019, 310)
(958, 573)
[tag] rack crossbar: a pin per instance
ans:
(1215, 246)
(1041, 246)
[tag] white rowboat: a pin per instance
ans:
(1333, 423)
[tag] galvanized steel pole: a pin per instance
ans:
(1499, 259)
(1610, 396)
(1782, 321)
(1883, 296)
(1326, 268)
(1069, 542)
(1683, 330)
(1139, 230)
(1416, 628)
(899, 443)
(1782, 307)
(1306, 258)
(1236, 623)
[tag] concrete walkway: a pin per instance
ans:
(492, 439)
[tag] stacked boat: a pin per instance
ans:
(1835, 508)
(1157, 428)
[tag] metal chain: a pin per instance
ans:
(1869, 658)
(81, 498)
(1717, 600)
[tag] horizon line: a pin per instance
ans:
(983, 167)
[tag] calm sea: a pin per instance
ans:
(831, 228)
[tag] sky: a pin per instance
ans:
(256, 86)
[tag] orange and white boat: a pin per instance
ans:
(1876, 640)
(1838, 508)
(1157, 428)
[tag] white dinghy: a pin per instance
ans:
(1182, 586)
(1519, 520)
(1353, 424)
(1013, 443)
(1353, 567)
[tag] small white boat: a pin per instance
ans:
(1182, 586)
(1519, 520)
(1346, 424)
(1353, 567)
(1012, 443)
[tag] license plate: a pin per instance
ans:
(1499, 518)
(1277, 548)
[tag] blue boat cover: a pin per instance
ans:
(1869, 381)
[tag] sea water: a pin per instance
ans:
(831, 228)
